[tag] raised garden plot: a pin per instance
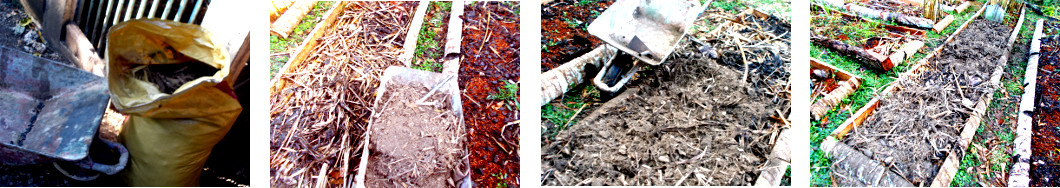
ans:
(695, 120)
(321, 102)
(489, 77)
(330, 122)
(867, 43)
(918, 127)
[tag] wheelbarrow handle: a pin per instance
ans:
(88, 163)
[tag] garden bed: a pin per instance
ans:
(936, 110)
(488, 76)
(563, 30)
(321, 100)
(929, 109)
(695, 120)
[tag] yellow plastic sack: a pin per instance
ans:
(169, 136)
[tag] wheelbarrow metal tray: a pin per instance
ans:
(48, 110)
(656, 25)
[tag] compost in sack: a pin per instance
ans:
(168, 77)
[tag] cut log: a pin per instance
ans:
(857, 170)
(557, 81)
(912, 47)
(902, 19)
(870, 59)
(831, 99)
(290, 18)
(278, 7)
(962, 7)
(939, 26)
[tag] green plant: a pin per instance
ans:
(508, 92)
(501, 176)
(572, 23)
(584, 2)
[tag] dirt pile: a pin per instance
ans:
(415, 145)
(914, 129)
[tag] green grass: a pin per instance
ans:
(427, 55)
(558, 113)
(730, 6)
(584, 2)
(786, 181)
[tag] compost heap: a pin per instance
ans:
(319, 117)
(914, 129)
(693, 121)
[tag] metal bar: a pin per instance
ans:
(96, 23)
(180, 11)
(154, 7)
(80, 11)
(106, 21)
(165, 12)
(195, 12)
(117, 13)
(129, 10)
(140, 13)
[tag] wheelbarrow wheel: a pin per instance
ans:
(73, 171)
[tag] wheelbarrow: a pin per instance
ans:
(648, 30)
(51, 113)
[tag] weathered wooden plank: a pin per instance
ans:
(83, 53)
(839, 73)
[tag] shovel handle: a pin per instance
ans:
(109, 169)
